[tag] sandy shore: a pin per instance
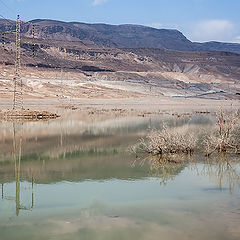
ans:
(134, 105)
(104, 96)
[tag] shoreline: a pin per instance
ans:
(147, 105)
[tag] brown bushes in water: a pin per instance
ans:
(167, 141)
(224, 137)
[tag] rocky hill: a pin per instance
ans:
(119, 36)
(125, 58)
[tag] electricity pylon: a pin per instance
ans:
(18, 86)
(17, 80)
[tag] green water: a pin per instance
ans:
(75, 179)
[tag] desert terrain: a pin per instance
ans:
(62, 68)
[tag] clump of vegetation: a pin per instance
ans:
(226, 135)
(167, 141)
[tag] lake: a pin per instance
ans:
(74, 178)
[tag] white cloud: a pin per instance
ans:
(163, 26)
(98, 2)
(210, 30)
(237, 39)
(155, 25)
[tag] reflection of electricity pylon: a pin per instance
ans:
(2, 191)
(17, 155)
(17, 93)
(17, 146)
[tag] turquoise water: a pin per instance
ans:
(77, 180)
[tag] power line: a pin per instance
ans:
(5, 19)
(10, 31)
(7, 32)
(10, 9)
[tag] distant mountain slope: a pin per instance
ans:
(75, 56)
(120, 36)
(219, 46)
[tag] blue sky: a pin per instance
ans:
(199, 20)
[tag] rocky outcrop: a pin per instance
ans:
(120, 36)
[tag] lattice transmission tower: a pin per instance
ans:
(17, 79)
(18, 85)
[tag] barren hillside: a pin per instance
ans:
(120, 36)
(63, 68)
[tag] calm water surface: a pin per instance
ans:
(75, 179)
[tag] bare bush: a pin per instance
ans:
(167, 141)
(226, 135)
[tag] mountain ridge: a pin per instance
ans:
(119, 36)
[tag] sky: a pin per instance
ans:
(198, 20)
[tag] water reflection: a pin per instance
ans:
(17, 157)
(98, 153)
(66, 135)
(162, 167)
(222, 168)
(74, 180)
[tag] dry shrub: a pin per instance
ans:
(167, 141)
(226, 135)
